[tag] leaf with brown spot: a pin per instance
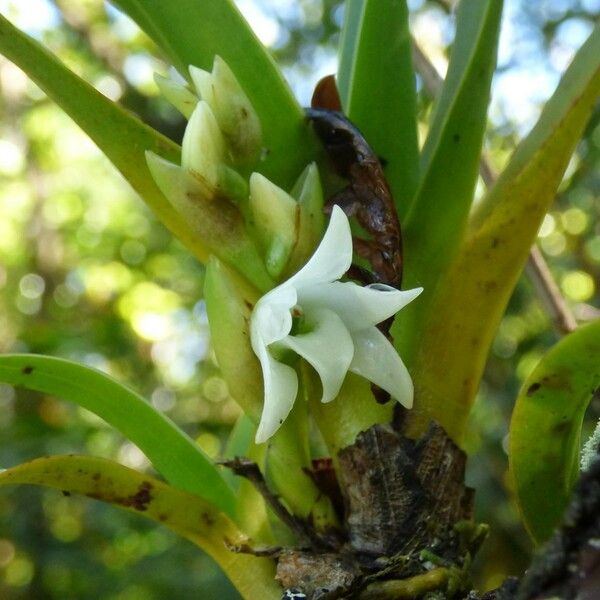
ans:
(546, 427)
(174, 455)
(187, 515)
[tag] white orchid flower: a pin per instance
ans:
(329, 323)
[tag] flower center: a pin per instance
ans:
(298, 321)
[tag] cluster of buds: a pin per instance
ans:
(224, 134)
(329, 323)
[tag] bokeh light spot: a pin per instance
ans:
(12, 160)
(19, 572)
(578, 286)
(574, 221)
(32, 285)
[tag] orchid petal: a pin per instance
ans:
(281, 388)
(328, 348)
(359, 307)
(271, 319)
(332, 258)
(376, 359)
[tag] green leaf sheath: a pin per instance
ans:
(462, 318)
(185, 514)
(435, 225)
(546, 426)
(174, 455)
(122, 137)
(378, 88)
(191, 32)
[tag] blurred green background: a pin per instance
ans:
(87, 273)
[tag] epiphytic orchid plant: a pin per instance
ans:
(294, 320)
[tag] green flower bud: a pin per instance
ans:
(275, 215)
(309, 195)
(203, 148)
(235, 114)
(177, 94)
(216, 220)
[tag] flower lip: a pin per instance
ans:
(338, 333)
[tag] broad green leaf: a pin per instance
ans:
(192, 32)
(353, 15)
(378, 91)
(121, 136)
(435, 224)
(462, 318)
(174, 455)
(187, 515)
(546, 426)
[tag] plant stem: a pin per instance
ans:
(405, 589)
(248, 469)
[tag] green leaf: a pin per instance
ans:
(435, 224)
(377, 86)
(353, 15)
(537, 165)
(453, 342)
(546, 426)
(121, 136)
(192, 32)
(185, 514)
(174, 455)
